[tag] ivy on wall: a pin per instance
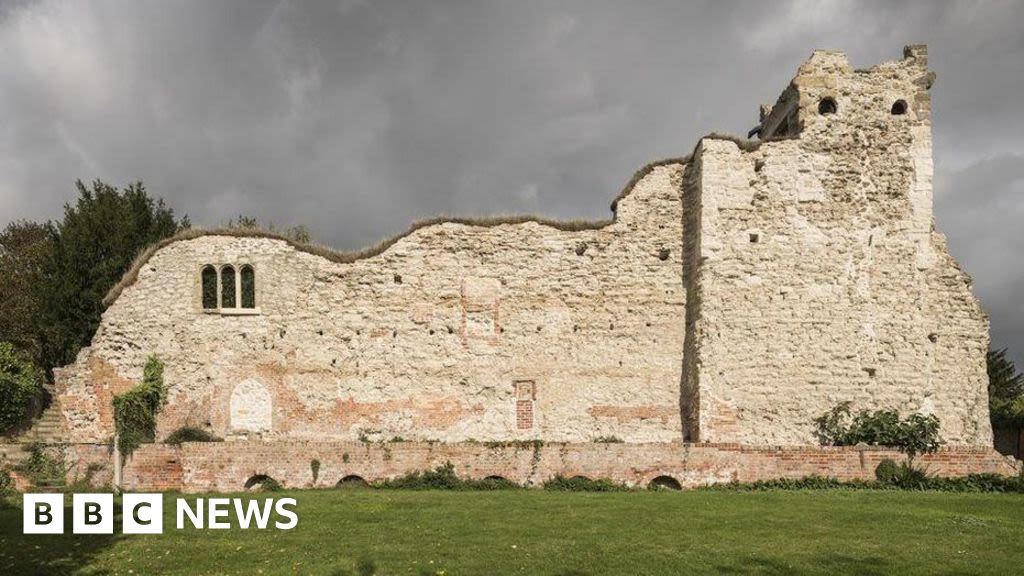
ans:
(135, 411)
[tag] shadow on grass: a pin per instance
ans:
(827, 564)
(59, 554)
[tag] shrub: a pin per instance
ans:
(608, 440)
(908, 476)
(582, 484)
(886, 470)
(916, 434)
(813, 482)
(263, 483)
(135, 410)
(20, 387)
(42, 468)
(444, 478)
(6, 486)
(905, 477)
(190, 434)
(314, 467)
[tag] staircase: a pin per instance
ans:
(47, 429)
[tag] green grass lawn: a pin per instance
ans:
(537, 532)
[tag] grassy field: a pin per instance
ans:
(559, 533)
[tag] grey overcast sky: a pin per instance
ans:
(357, 117)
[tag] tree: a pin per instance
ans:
(20, 386)
(93, 246)
(25, 249)
(1005, 390)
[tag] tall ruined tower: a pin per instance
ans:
(816, 275)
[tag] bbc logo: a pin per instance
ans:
(93, 514)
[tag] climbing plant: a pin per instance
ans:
(135, 411)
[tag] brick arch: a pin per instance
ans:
(250, 408)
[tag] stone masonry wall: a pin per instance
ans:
(821, 276)
(227, 466)
(456, 332)
(735, 297)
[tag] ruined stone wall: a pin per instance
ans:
(456, 332)
(821, 276)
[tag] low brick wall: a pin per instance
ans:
(226, 466)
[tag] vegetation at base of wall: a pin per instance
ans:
(135, 411)
(903, 477)
(913, 435)
(190, 434)
(314, 467)
(20, 388)
(443, 478)
(886, 470)
(263, 483)
(42, 468)
(1005, 391)
(581, 484)
(608, 440)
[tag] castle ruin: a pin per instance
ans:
(736, 294)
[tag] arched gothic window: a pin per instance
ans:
(227, 287)
(209, 279)
(248, 287)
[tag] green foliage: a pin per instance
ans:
(190, 434)
(886, 470)
(25, 249)
(6, 486)
(93, 246)
(20, 387)
(608, 440)
(263, 483)
(43, 468)
(135, 411)
(903, 476)
(314, 467)
(1005, 390)
(443, 478)
(581, 484)
(916, 434)
(813, 482)
(909, 477)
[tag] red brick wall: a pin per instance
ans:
(226, 466)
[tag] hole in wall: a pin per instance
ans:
(755, 237)
(871, 372)
(758, 165)
(352, 481)
(663, 254)
(665, 483)
(398, 278)
(581, 248)
(827, 105)
(259, 482)
(899, 108)
(933, 337)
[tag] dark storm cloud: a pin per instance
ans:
(357, 117)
